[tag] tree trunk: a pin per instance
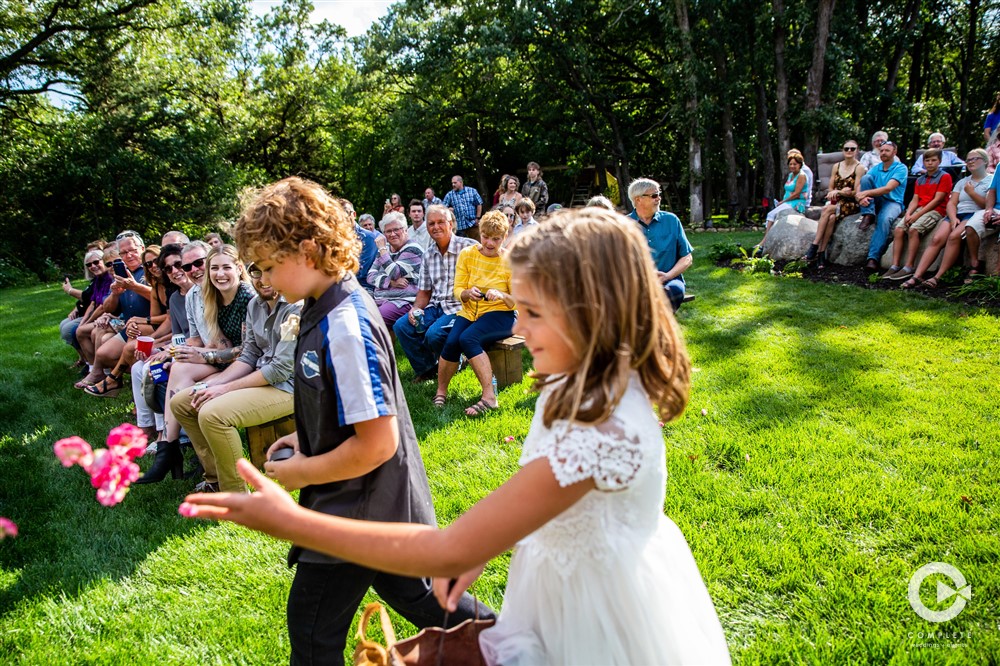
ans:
(697, 215)
(963, 80)
(910, 14)
(814, 81)
(764, 139)
(472, 143)
(728, 145)
(781, 79)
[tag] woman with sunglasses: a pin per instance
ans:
(93, 328)
(87, 298)
(842, 201)
(154, 325)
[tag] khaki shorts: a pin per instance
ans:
(976, 224)
(924, 223)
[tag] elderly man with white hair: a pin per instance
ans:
(396, 268)
(948, 157)
(872, 158)
(665, 234)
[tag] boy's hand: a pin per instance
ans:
(285, 442)
(290, 473)
(270, 509)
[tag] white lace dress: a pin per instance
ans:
(611, 580)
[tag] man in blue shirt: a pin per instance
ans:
(467, 206)
(368, 246)
(669, 246)
(881, 195)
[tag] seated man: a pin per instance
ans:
(871, 158)
(422, 339)
(255, 389)
(928, 206)
(948, 158)
(670, 247)
(882, 191)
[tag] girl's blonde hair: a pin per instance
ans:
(151, 279)
(595, 266)
(493, 224)
(211, 295)
(280, 216)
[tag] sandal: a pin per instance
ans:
(84, 383)
(440, 401)
(973, 274)
(103, 389)
(911, 283)
(931, 283)
(481, 408)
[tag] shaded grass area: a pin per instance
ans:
(849, 438)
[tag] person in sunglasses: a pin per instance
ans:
(86, 299)
(665, 234)
(842, 201)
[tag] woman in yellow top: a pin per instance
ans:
(482, 283)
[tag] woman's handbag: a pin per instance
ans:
(431, 647)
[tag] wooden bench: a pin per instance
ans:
(505, 358)
(261, 437)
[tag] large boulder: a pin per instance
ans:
(813, 212)
(989, 253)
(849, 245)
(790, 237)
(925, 240)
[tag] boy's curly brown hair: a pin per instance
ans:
(279, 217)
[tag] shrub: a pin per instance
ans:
(725, 250)
(14, 274)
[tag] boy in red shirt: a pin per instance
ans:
(927, 207)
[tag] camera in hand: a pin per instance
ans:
(281, 454)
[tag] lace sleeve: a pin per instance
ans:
(606, 453)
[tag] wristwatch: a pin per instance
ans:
(149, 321)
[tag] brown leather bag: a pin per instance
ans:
(431, 647)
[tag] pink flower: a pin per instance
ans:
(127, 440)
(7, 528)
(73, 450)
(187, 510)
(704, 412)
(508, 438)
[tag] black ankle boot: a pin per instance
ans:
(168, 459)
(811, 253)
(821, 263)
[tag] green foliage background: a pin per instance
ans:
(167, 109)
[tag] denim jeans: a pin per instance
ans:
(469, 337)
(886, 212)
(675, 290)
(424, 348)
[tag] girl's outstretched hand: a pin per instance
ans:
(270, 509)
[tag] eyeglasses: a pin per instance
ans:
(171, 267)
(255, 273)
(393, 232)
(94, 263)
(149, 264)
(967, 159)
(850, 149)
(197, 263)
(109, 264)
(510, 216)
(654, 195)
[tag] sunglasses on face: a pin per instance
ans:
(255, 273)
(850, 149)
(109, 264)
(175, 266)
(197, 263)
(95, 263)
(654, 195)
(149, 264)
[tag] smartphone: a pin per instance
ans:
(119, 268)
(282, 454)
(66, 278)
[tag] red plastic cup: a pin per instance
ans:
(144, 344)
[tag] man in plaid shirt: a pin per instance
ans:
(467, 206)
(423, 338)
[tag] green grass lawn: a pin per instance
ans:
(848, 438)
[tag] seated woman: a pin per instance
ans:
(395, 270)
(482, 283)
(155, 325)
(509, 196)
(225, 293)
(87, 299)
(93, 323)
(845, 183)
(965, 223)
(796, 192)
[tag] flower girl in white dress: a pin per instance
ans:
(599, 574)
